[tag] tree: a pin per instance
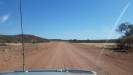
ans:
(126, 29)
(126, 41)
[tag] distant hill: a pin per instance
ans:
(18, 38)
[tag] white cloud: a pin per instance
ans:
(4, 18)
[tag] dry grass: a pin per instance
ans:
(11, 54)
(77, 55)
(100, 45)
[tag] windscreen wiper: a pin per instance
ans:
(68, 70)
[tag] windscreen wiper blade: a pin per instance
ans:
(60, 70)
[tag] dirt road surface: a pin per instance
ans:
(71, 55)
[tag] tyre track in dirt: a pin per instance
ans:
(108, 62)
(68, 55)
(57, 55)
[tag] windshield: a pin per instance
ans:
(93, 35)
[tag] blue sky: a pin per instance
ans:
(65, 19)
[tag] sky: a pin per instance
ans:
(66, 19)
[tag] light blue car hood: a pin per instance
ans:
(51, 72)
(46, 73)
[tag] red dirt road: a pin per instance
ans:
(70, 55)
(67, 55)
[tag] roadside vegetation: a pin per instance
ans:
(125, 42)
(93, 41)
